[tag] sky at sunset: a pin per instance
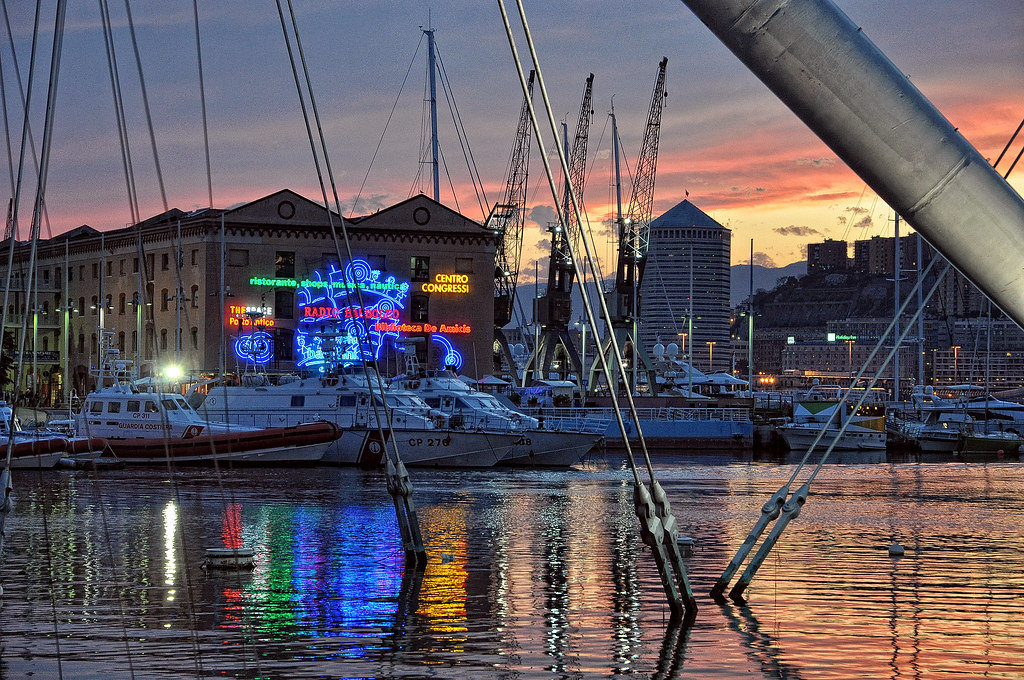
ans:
(742, 156)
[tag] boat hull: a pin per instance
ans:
(294, 445)
(800, 438)
(430, 448)
(542, 448)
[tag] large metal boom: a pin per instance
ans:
(634, 236)
(554, 308)
(506, 221)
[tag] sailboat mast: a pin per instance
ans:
(431, 67)
(618, 176)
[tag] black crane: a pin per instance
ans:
(554, 308)
(634, 229)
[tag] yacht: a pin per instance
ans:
(158, 427)
(351, 399)
(865, 429)
(560, 444)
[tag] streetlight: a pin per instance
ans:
(583, 352)
(711, 355)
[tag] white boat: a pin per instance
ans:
(865, 430)
(345, 400)
(462, 407)
(158, 427)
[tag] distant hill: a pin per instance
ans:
(765, 278)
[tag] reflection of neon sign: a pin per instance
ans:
(448, 283)
(255, 347)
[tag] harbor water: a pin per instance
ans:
(531, 574)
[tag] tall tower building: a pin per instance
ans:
(686, 244)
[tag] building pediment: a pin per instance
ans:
(281, 208)
(419, 214)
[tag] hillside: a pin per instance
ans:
(765, 278)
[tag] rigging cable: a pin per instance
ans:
(145, 104)
(791, 508)
(399, 484)
(656, 529)
(43, 166)
(391, 114)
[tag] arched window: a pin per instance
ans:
(163, 338)
(195, 297)
(94, 307)
(164, 299)
(81, 306)
(195, 338)
(120, 303)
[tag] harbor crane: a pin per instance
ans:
(506, 221)
(553, 310)
(634, 236)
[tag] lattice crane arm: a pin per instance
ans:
(507, 218)
(635, 229)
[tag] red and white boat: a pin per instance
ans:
(158, 427)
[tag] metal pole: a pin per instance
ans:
(689, 328)
(920, 318)
(897, 272)
(433, 113)
(67, 329)
(823, 67)
(750, 325)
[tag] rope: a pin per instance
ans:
(652, 523)
(398, 477)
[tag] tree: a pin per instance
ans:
(7, 360)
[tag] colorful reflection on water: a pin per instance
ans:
(531, 574)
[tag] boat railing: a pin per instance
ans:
(666, 413)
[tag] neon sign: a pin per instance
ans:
(333, 326)
(447, 283)
(247, 317)
(255, 347)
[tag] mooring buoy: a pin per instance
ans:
(896, 550)
(685, 546)
(229, 558)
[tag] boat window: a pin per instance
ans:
(133, 406)
(96, 407)
(113, 407)
(298, 400)
(433, 402)
(169, 404)
(346, 400)
(150, 406)
(182, 404)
